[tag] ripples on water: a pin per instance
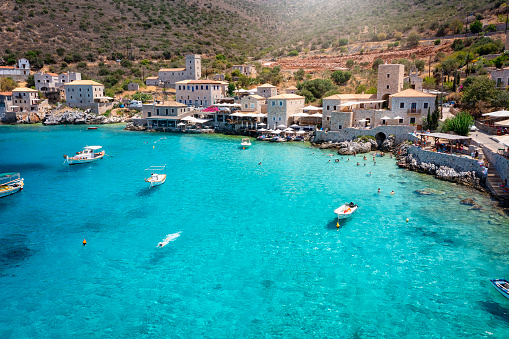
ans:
(259, 254)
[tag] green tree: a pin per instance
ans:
(340, 77)
(460, 124)
(308, 95)
(231, 89)
(377, 62)
(350, 63)
(317, 87)
(143, 97)
(420, 64)
(476, 27)
(477, 89)
(31, 81)
(236, 73)
(456, 26)
(412, 39)
(7, 84)
(293, 53)
(435, 116)
(299, 75)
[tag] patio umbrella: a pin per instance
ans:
(188, 118)
(301, 132)
(385, 118)
(497, 114)
(181, 124)
(317, 115)
(363, 120)
(312, 108)
(278, 131)
(262, 130)
(295, 126)
(288, 130)
(397, 118)
(262, 124)
(301, 115)
(281, 126)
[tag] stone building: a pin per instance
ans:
(5, 102)
(254, 103)
(333, 103)
(281, 108)
(25, 100)
(291, 90)
(501, 77)
(19, 72)
(412, 105)
(47, 82)
(247, 70)
(163, 114)
(200, 92)
(390, 80)
(266, 91)
(132, 86)
(414, 80)
(168, 77)
(87, 94)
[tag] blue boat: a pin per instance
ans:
(502, 286)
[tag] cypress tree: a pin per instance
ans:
(428, 120)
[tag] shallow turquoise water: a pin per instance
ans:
(259, 254)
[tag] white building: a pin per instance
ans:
(25, 100)
(51, 81)
(87, 94)
(281, 108)
(19, 72)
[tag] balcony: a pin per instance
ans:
(414, 111)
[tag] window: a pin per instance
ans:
(401, 105)
(157, 111)
(201, 86)
(387, 86)
(425, 105)
(388, 75)
(280, 102)
(149, 114)
(400, 121)
(414, 105)
(499, 82)
(207, 87)
(273, 103)
(335, 107)
(340, 126)
(328, 118)
(412, 120)
(166, 111)
(252, 105)
(328, 107)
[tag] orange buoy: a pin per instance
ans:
(84, 242)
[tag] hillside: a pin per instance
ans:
(93, 30)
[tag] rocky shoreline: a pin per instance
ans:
(80, 118)
(467, 178)
(357, 146)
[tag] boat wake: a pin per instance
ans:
(169, 237)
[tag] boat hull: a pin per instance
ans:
(160, 180)
(10, 189)
(345, 211)
(497, 284)
(76, 161)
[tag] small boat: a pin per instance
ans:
(156, 178)
(91, 127)
(246, 143)
(502, 286)
(346, 210)
(89, 154)
(10, 183)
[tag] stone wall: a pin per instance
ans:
(401, 133)
(458, 163)
(343, 119)
(486, 128)
(499, 162)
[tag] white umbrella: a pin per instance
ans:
(497, 114)
(363, 120)
(262, 130)
(301, 132)
(385, 117)
(281, 126)
(312, 108)
(181, 124)
(301, 115)
(278, 131)
(270, 130)
(397, 118)
(295, 126)
(317, 115)
(288, 130)
(188, 119)
(262, 124)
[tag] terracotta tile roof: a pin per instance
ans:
(52, 74)
(6, 94)
(170, 104)
(267, 85)
(411, 93)
(351, 96)
(292, 87)
(287, 96)
(172, 69)
(152, 78)
(257, 97)
(7, 67)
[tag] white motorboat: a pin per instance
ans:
(157, 176)
(246, 143)
(89, 154)
(346, 210)
(10, 183)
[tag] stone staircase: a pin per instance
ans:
(493, 182)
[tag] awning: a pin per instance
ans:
(446, 136)
(502, 123)
(316, 115)
(352, 103)
(188, 118)
(385, 118)
(312, 108)
(301, 115)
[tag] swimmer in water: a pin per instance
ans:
(378, 190)
(358, 164)
(392, 192)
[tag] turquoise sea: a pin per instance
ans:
(259, 254)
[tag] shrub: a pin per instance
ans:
(457, 45)
(412, 39)
(339, 77)
(437, 42)
(293, 53)
(82, 64)
(460, 124)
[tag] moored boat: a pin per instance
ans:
(156, 178)
(93, 127)
(10, 183)
(346, 210)
(502, 286)
(89, 154)
(246, 143)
